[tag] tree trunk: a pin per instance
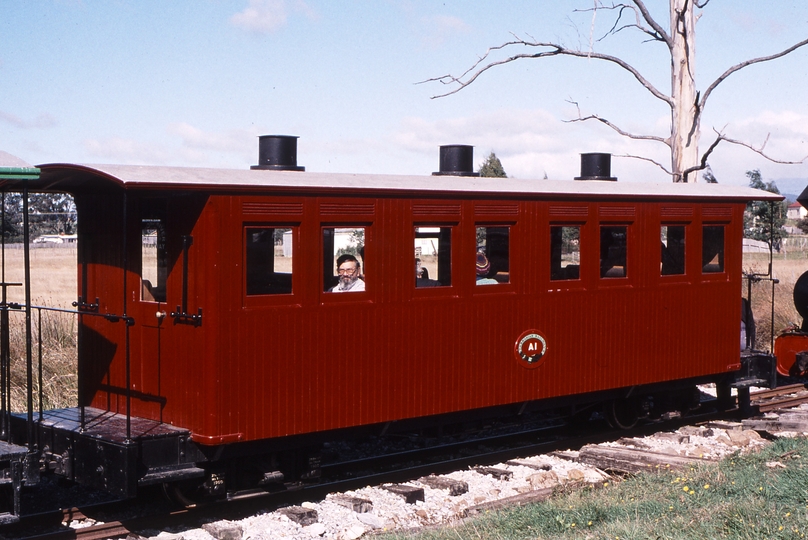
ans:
(684, 114)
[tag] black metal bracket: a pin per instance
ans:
(187, 318)
(84, 307)
(111, 317)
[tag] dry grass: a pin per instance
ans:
(53, 275)
(58, 362)
(786, 269)
(53, 283)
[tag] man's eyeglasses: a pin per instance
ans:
(346, 271)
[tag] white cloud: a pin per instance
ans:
(261, 16)
(531, 143)
(187, 146)
(128, 151)
(267, 16)
(42, 121)
(237, 141)
(438, 28)
(782, 135)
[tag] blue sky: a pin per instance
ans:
(194, 82)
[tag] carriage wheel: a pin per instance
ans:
(622, 413)
(184, 494)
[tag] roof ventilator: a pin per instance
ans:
(456, 160)
(277, 153)
(596, 166)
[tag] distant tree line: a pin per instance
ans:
(764, 220)
(48, 213)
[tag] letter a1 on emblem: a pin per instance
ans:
(530, 348)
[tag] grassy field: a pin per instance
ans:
(754, 496)
(53, 275)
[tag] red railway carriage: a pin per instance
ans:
(210, 299)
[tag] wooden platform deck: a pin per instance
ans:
(106, 425)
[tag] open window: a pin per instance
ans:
(672, 240)
(344, 264)
(269, 259)
(493, 255)
(565, 252)
(153, 253)
(613, 251)
(433, 256)
(712, 249)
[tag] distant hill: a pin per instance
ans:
(791, 187)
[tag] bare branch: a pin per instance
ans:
(471, 74)
(721, 137)
(642, 158)
(703, 165)
(616, 128)
(616, 27)
(760, 150)
(746, 63)
(655, 25)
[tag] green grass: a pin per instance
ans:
(742, 497)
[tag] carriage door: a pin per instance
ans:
(149, 310)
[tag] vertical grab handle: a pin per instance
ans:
(182, 315)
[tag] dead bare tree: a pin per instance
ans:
(685, 101)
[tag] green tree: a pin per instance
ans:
(708, 176)
(492, 167)
(52, 213)
(764, 220)
(12, 217)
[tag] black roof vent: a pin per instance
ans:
(596, 166)
(277, 153)
(456, 160)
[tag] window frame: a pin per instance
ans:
(567, 283)
(326, 295)
(722, 274)
(283, 299)
(633, 255)
(500, 286)
(687, 273)
(155, 209)
(630, 268)
(454, 247)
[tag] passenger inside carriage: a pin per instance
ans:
(349, 270)
(422, 276)
(483, 268)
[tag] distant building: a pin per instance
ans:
(796, 211)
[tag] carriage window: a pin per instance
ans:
(433, 256)
(712, 250)
(672, 238)
(269, 260)
(613, 251)
(565, 253)
(344, 264)
(492, 261)
(153, 259)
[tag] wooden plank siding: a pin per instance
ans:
(278, 365)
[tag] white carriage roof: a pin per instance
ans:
(65, 177)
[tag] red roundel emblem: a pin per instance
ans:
(530, 348)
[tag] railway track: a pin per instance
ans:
(404, 466)
(783, 397)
